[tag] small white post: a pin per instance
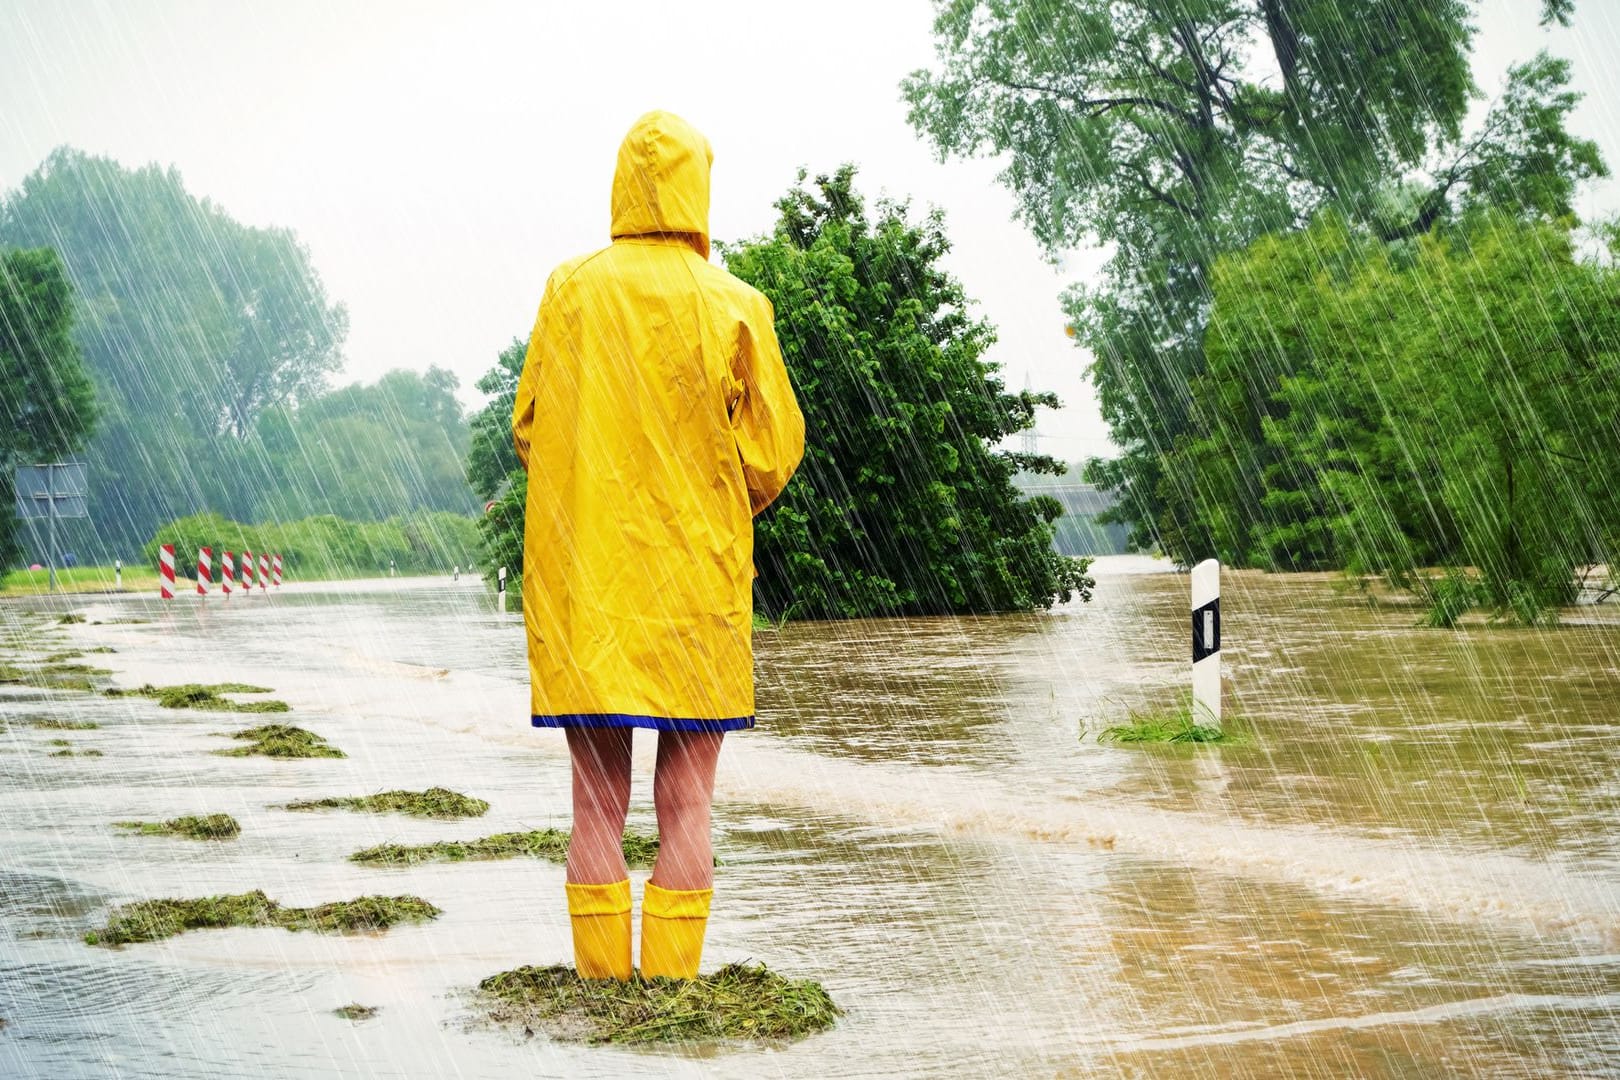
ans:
(1206, 643)
(500, 596)
(118, 573)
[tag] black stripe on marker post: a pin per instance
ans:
(1206, 630)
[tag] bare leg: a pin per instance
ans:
(683, 789)
(601, 759)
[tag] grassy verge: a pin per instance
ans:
(153, 920)
(77, 579)
(281, 741)
(207, 827)
(204, 696)
(740, 1001)
(435, 802)
(552, 844)
(1175, 725)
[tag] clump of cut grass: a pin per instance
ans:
(57, 658)
(435, 802)
(356, 1012)
(281, 741)
(204, 827)
(737, 1002)
(72, 669)
(59, 742)
(70, 619)
(205, 696)
(76, 753)
(56, 723)
(154, 920)
(549, 844)
(1173, 726)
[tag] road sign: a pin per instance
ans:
(60, 489)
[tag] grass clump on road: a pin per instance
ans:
(56, 723)
(356, 1012)
(1173, 726)
(549, 844)
(205, 827)
(76, 753)
(205, 696)
(154, 920)
(737, 1002)
(435, 802)
(281, 741)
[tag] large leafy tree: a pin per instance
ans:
(1454, 400)
(1174, 132)
(46, 403)
(191, 325)
(902, 503)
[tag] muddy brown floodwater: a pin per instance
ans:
(1410, 866)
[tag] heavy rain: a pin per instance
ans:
(1183, 641)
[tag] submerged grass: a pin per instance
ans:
(281, 741)
(205, 827)
(153, 920)
(356, 1012)
(1172, 726)
(435, 802)
(739, 1001)
(56, 723)
(205, 696)
(76, 753)
(639, 849)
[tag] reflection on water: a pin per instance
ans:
(1408, 868)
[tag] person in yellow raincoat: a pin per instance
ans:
(655, 417)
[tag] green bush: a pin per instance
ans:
(327, 546)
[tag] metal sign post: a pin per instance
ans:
(55, 490)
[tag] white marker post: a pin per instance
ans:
(118, 574)
(1206, 643)
(500, 596)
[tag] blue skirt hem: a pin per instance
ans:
(634, 720)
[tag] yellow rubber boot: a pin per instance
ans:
(672, 926)
(601, 918)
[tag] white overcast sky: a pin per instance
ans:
(439, 158)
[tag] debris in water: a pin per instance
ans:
(282, 741)
(639, 849)
(206, 827)
(357, 1012)
(76, 753)
(739, 1001)
(153, 920)
(56, 723)
(201, 696)
(435, 802)
(70, 619)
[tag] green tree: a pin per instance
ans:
(46, 402)
(191, 325)
(496, 476)
(1176, 132)
(1452, 401)
(902, 503)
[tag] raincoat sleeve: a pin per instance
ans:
(765, 416)
(523, 407)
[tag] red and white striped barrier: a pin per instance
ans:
(247, 571)
(275, 571)
(205, 570)
(166, 571)
(264, 571)
(227, 571)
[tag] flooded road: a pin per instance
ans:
(1410, 866)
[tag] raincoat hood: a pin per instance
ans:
(661, 183)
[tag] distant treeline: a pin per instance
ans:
(208, 346)
(326, 546)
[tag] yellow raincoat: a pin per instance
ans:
(655, 418)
